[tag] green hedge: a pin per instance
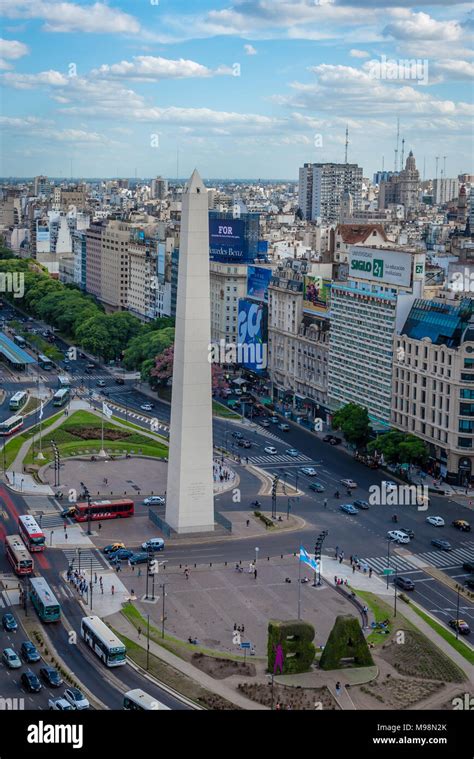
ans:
(296, 639)
(346, 641)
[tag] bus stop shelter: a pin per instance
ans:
(15, 356)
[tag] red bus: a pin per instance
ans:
(31, 533)
(18, 556)
(11, 425)
(104, 510)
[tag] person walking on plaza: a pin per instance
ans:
(325, 502)
(112, 590)
(255, 573)
(139, 631)
(370, 571)
(338, 689)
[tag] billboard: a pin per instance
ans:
(227, 240)
(258, 280)
(387, 267)
(252, 349)
(316, 294)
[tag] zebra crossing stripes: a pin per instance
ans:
(270, 435)
(282, 459)
(49, 520)
(447, 558)
(86, 556)
(379, 563)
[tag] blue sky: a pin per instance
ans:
(241, 88)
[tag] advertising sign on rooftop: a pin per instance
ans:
(227, 240)
(258, 279)
(316, 294)
(387, 267)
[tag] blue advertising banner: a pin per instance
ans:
(258, 280)
(252, 346)
(227, 240)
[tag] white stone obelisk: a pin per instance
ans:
(189, 493)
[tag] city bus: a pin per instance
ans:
(11, 425)
(31, 533)
(43, 599)
(64, 381)
(103, 642)
(138, 701)
(18, 556)
(18, 400)
(61, 397)
(98, 510)
(19, 340)
(45, 362)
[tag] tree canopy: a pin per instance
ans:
(353, 421)
(400, 448)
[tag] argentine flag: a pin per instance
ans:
(307, 559)
(107, 411)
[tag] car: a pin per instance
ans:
(147, 407)
(238, 391)
(327, 438)
(332, 440)
(469, 584)
(138, 558)
(90, 366)
(10, 658)
(87, 371)
(348, 483)
(29, 652)
(119, 381)
(122, 554)
(404, 583)
(265, 423)
(361, 505)
(388, 484)
(30, 682)
(244, 444)
(317, 487)
(444, 545)
(76, 698)
(154, 500)
(461, 524)
(112, 547)
(100, 383)
(271, 450)
(408, 532)
(68, 512)
(468, 566)
(436, 521)
(154, 544)
(9, 623)
(348, 508)
(51, 677)
(284, 427)
(460, 625)
(292, 452)
(274, 419)
(397, 536)
(310, 471)
(60, 705)
(238, 435)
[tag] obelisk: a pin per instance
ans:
(189, 493)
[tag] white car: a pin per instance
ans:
(154, 500)
(76, 698)
(60, 705)
(309, 470)
(436, 521)
(398, 537)
(270, 449)
(284, 427)
(292, 452)
(349, 483)
(238, 392)
(389, 484)
(146, 407)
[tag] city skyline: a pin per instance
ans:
(127, 89)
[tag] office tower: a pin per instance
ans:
(322, 186)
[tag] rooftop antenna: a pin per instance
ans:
(396, 149)
(403, 154)
(347, 144)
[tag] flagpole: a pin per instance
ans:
(40, 454)
(299, 587)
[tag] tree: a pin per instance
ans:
(354, 422)
(219, 382)
(400, 448)
(346, 640)
(163, 370)
(147, 345)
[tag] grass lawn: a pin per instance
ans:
(220, 410)
(381, 611)
(30, 405)
(448, 636)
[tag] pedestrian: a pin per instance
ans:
(353, 568)
(235, 626)
(102, 589)
(100, 580)
(338, 689)
(131, 565)
(335, 579)
(242, 629)
(255, 573)
(337, 551)
(112, 590)
(64, 525)
(139, 572)
(342, 555)
(139, 631)
(65, 536)
(186, 573)
(248, 522)
(340, 559)
(132, 593)
(95, 578)
(351, 558)
(325, 502)
(370, 571)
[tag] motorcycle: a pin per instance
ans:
(256, 503)
(394, 518)
(336, 494)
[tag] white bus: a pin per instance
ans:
(11, 425)
(139, 701)
(18, 400)
(64, 381)
(18, 556)
(103, 642)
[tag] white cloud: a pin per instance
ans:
(250, 50)
(420, 26)
(148, 67)
(50, 78)
(13, 49)
(359, 53)
(98, 18)
(454, 69)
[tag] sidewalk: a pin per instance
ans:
(122, 625)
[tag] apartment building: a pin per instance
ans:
(322, 187)
(228, 285)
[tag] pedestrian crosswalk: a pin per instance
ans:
(49, 520)
(379, 563)
(83, 557)
(157, 425)
(435, 558)
(281, 459)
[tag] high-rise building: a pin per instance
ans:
(107, 267)
(228, 284)
(41, 186)
(445, 190)
(159, 188)
(322, 187)
(402, 188)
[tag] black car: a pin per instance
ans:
(121, 555)
(29, 652)
(51, 677)
(238, 435)
(468, 566)
(244, 444)
(87, 371)
(327, 438)
(139, 558)
(119, 381)
(361, 505)
(9, 623)
(404, 583)
(410, 533)
(469, 584)
(443, 544)
(30, 682)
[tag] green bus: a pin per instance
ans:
(18, 400)
(45, 362)
(61, 397)
(43, 599)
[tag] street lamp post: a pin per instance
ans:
(79, 559)
(256, 554)
(163, 588)
(51, 538)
